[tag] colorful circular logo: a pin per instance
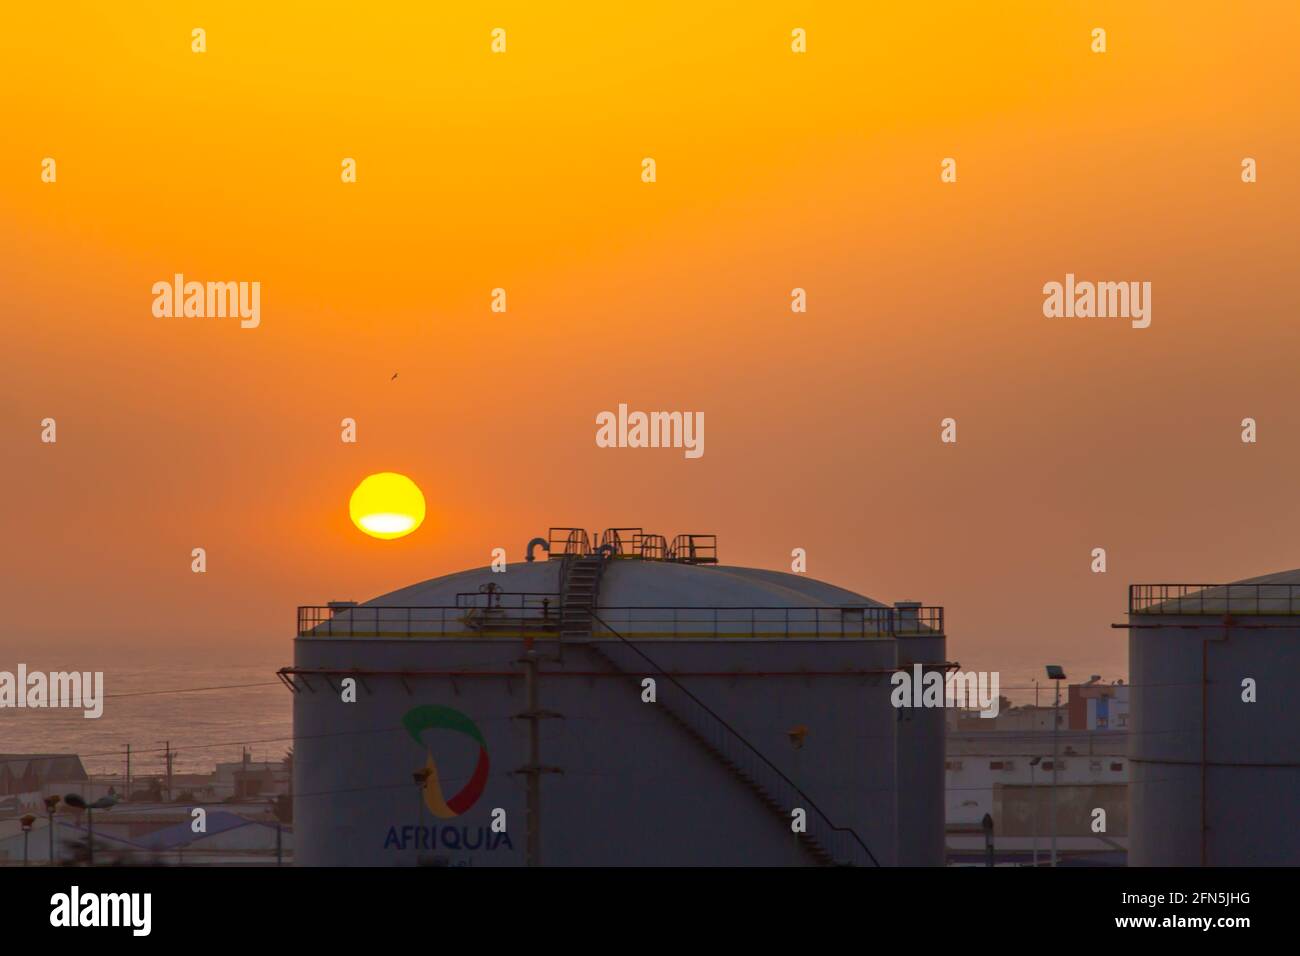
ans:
(430, 717)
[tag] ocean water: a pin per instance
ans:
(149, 704)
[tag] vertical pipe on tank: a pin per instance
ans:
(535, 778)
(920, 736)
(1205, 732)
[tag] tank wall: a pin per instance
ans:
(921, 811)
(636, 788)
(1249, 793)
(848, 761)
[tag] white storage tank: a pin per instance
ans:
(482, 697)
(1213, 727)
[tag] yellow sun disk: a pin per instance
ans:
(387, 505)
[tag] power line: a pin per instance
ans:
(191, 690)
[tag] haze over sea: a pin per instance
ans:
(204, 726)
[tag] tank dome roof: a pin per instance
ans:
(634, 583)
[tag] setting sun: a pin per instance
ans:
(387, 505)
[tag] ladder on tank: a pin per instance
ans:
(579, 595)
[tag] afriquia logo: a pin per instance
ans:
(447, 837)
(428, 718)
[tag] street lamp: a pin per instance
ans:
(274, 804)
(1056, 674)
(51, 802)
(76, 801)
(26, 821)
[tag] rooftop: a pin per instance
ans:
(629, 584)
(1275, 594)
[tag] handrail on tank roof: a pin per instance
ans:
(694, 549)
(1262, 599)
(625, 542)
(567, 542)
(538, 614)
(633, 543)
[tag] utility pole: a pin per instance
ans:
(533, 853)
(1033, 793)
(26, 822)
(127, 794)
(169, 755)
(1056, 760)
(534, 768)
(51, 802)
(1056, 674)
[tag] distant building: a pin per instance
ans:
(994, 772)
(1026, 717)
(1098, 706)
(33, 773)
(251, 780)
(233, 834)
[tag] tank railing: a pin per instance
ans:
(1214, 599)
(532, 611)
(654, 547)
(694, 549)
(510, 620)
(399, 621)
(842, 844)
(635, 543)
(816, 622)
(626, 542)
(508, 599)
(568, 542)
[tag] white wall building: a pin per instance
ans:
(978, 762)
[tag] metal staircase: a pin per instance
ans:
(580, 578)
(824, 842)
(580, 590)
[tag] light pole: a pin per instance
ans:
(51, 802)
(1056, 674)
(1033, 793)
(273, 803)
(103, 803)
(26, 821)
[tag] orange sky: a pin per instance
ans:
(522, 171)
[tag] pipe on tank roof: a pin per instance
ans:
(546, 546)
